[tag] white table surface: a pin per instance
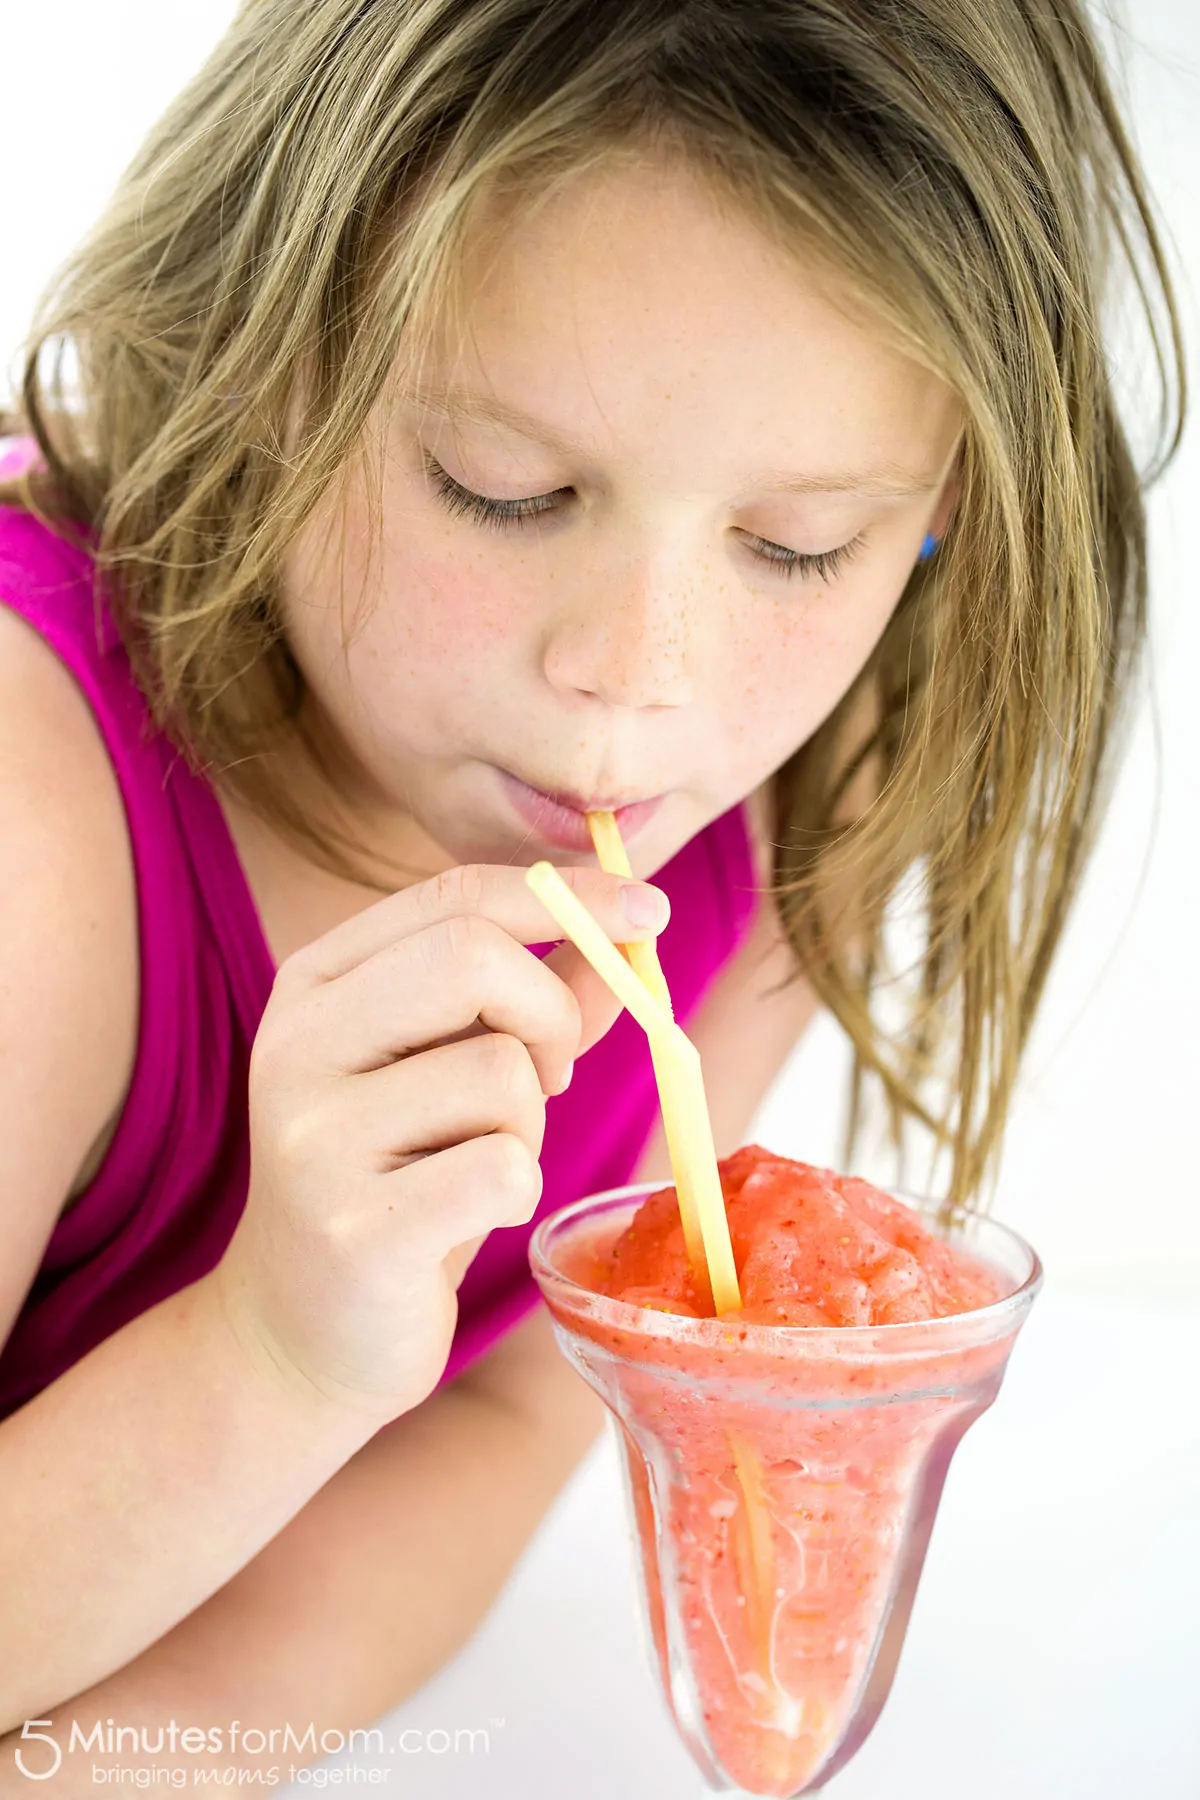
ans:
(1054, 1650)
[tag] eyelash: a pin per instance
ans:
(501, 514)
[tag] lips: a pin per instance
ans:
(580, 803)
(559, 818)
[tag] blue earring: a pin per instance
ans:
(927, 548)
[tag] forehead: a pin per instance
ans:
(637, 300)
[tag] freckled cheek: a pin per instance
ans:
(450, 619)
(787, 673)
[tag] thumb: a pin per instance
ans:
(598, 1005)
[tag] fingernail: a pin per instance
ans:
(645, 905)
(564, 1080)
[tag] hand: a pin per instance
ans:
(398, 1089)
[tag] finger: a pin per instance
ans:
(428, 1102)
(424, 990)
(488, 890)
(466, 1191)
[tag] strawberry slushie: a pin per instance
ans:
(784, 1462)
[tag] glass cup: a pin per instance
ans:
(783, 1482)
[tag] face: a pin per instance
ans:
(638, 535)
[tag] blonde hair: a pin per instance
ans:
(297, 216)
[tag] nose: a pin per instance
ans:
(631, 642)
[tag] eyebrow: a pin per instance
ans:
(887, 481)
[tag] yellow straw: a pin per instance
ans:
(689, 1184)
(610, 850)
(694, 1165)
(681, 1082)
(593, 941)
(644, 960)
(643, 955)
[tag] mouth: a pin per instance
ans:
(559, 817)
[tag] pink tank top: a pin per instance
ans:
(164, 1203)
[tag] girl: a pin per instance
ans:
(476, 413)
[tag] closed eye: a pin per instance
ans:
(502, 515)
(484, 510)
(827, 564)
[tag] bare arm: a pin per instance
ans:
(370, 1588)
(136, 1484)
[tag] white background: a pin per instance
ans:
(1100, 1169)
(1052, 1649)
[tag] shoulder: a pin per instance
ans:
(68, 946)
